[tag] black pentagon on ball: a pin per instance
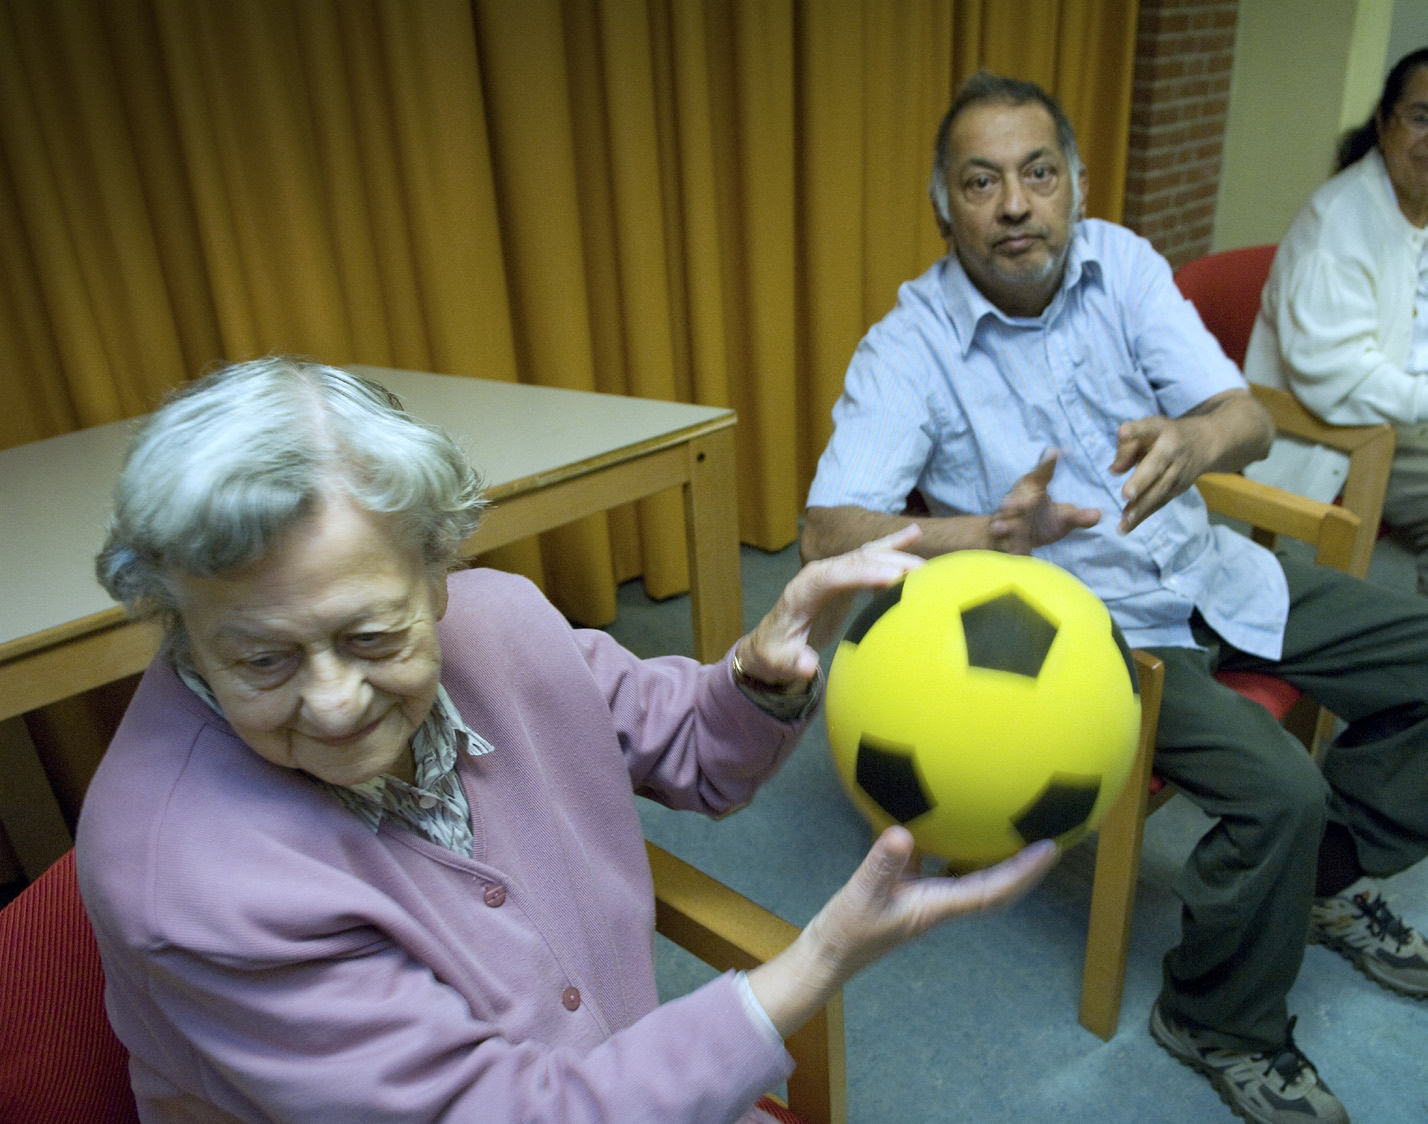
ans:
(885, 771)
(1063, 804)
(1007, 633)
(884, 600)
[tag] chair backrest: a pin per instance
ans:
(1225, 288)
(60, 1062)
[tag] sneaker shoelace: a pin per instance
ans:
(1382, 921)
(1289, 1063)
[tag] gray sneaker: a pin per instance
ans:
(1274, 1087)
(1358, 924)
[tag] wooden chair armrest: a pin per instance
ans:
(1292, 418)
(1272, 511)
(729, 932)
(1370, 451)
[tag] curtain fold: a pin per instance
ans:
(700, 200)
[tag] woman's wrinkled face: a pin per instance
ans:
(323, 654)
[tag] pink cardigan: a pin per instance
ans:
(270, 958)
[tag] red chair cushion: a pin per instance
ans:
(1275, 695)
(1225, 290)
(59, 1060)
(778, 1111)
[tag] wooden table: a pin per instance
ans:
(548, 457)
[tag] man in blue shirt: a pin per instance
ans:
(1048, 352)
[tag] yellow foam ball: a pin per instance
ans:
(986, 701)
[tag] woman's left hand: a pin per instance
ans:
(883, 905)
(782, 650)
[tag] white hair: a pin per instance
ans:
(230, 461)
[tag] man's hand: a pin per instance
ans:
(1167, 457)
(1222, 434)
(1027, 517)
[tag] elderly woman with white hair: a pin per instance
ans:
(365, 848)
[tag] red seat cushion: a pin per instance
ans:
(778, 1111)
(59, 1060)
(1272, 693)
(1225, 289)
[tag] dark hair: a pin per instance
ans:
(1355, 144)
(983, 89)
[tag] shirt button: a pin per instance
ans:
(427, 801)
(570, 998)
(495, 896)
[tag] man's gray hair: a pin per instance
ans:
(993, 89)
(229, 462)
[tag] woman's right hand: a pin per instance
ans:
(783, 648)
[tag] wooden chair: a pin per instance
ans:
(1269, 512)
(1370, 452)
(60, 1061)
(729, 932)
(1225, 289)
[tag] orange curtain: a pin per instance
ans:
(702, 200)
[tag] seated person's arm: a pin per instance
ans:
(1026, 519)
(1223, 434)
(828, 531)
(882, 906)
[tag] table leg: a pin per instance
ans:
(29, 812)
(711, 528)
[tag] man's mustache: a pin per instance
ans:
(1023, 232)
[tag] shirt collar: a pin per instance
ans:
(968, 306)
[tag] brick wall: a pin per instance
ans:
(1183, 57)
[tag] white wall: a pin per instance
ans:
(1305, 70)
(1409, 30)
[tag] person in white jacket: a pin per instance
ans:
(1343, 321)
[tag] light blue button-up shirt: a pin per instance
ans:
(950, 396)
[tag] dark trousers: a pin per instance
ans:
(1247, 888)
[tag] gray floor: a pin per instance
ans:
(977, 1021)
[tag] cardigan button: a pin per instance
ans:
(570, 998)
(495, 896)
